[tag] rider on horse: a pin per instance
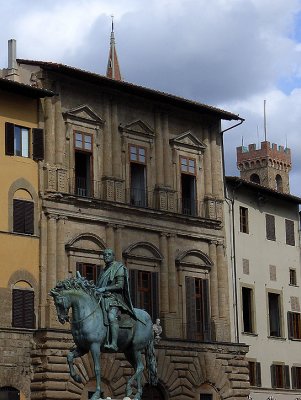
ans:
(113, 283)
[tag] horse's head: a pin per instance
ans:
(62, 304)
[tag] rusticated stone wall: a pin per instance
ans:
(182, 369)
(15, 360)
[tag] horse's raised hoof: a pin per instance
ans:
(77, 378)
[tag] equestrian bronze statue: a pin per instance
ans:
(104, 320)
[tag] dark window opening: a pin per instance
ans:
(188, 194)
(294, 325)
(255, 178)
(206, 396)
(83, 172)
(138, 194)
(244, 220)
(270, 227)
(279, 184)
(274, 314)
(9, 393)
(293, 277)
(254, 373)
(23, 309)
(89, 271)
(144, 291)
(197, 309)
(247, 306)
(23, 216)
(151, 393)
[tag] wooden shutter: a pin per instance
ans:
(29, 217)
(286, 371)
(28, 301)
(258, 374)
(23, 309)
(133, 275)
(18, 216)
(9, 139)
(273, 376)
(206, 311)
(190, 307)
(290, 325)
(155, 296)
(270, 227)
(290, 234)
(17, 321)
(294, 378)
(38, 144)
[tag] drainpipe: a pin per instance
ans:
(230, 202)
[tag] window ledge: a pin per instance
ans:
(21, 234)
(249, 334)
(295, 340)
(296, 286)
(277, 338)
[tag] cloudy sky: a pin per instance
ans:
(232, 54)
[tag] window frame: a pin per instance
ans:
(280, 376)
(188, 159)
(270, 227)
(296, 376)
(28, 320)
(244, 219)
(137, 147)
(294, 325)
(27, 207)
(255, 367)
(280, 314)
(290, 229)
(293, 277)
(82, 266)
(251, 311)
(83, 134)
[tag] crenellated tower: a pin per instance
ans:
(269, 165)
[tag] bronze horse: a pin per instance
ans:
(90, 333)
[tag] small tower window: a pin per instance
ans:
(279, 185)
(255, 178)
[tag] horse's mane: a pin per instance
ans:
(77, 284)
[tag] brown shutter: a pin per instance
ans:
(294, 378)
(258, 374)
(206, 310)
(190, 307)
(290, 234)
(9, 139)
(29, 316)
(155, 296)
(270, 227)
(38, 144)
(18, 216)
(17, 308)
(286, 370)
(290, 325)
(273, 376)
(133, 275)
(29, 217)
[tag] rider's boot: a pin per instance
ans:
(114, 327)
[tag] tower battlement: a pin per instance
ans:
(267, 151)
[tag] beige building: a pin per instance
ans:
(139, 171)
(264, 254)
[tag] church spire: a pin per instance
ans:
(113, 70)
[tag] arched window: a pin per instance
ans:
(9, 393)
(23, 315)
(23, 212)
(279, 185)
(255, 178)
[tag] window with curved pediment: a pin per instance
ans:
(143, 261)
(196, 266)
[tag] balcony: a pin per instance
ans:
(151, 199)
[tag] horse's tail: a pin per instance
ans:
(151, 363)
